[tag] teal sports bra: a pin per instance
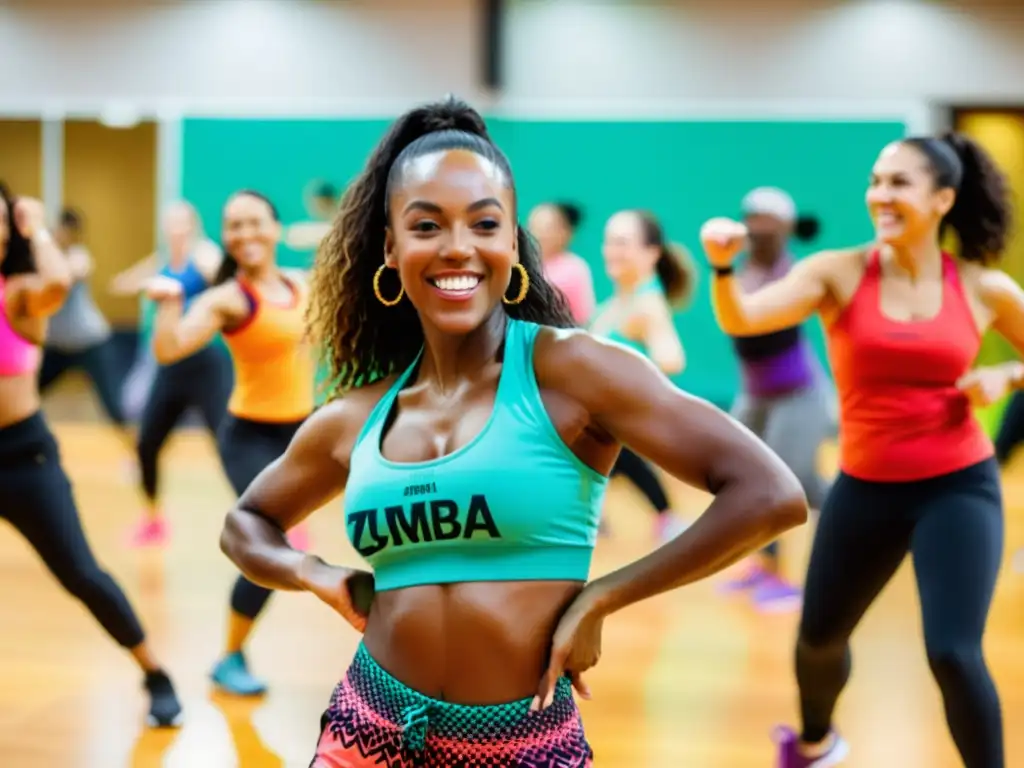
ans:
(608, 322)
(514, 504)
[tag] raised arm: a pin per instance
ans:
(781, 304)
(660, 336)
(177, 335)
(132, 280)
(79, 262)
(756, 497)
(34, 297)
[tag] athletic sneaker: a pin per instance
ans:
(789, 756)
(164, 707)
(776, 595)
(750, 578)
(232, 675)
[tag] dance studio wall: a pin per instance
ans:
(683, 171)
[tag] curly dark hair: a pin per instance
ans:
(982, 216)
(362, 340)
(18, 259)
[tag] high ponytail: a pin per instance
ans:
(364, 340)
(981, 214)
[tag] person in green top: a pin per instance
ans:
(651, 279)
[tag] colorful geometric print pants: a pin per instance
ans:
(374, 720)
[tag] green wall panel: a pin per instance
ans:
(685, 171)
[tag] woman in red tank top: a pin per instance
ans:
(904, 322)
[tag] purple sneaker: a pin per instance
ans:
(776, 595)
(789, 756)
(750, 579)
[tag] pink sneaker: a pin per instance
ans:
(150, 532)
(298, 537)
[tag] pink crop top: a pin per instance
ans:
(17, 355)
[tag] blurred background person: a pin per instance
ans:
(79, 337)
(652, 278)
(553, 226)
(785, 396)
(199, 384)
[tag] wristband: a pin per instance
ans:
(723, 271)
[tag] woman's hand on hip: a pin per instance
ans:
(348, 591)
(575, 647)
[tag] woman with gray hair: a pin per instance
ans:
(784, 397)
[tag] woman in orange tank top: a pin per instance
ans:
(260, 310)
(904, 322)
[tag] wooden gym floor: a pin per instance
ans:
(688, 679)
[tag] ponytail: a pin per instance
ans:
(572, 214)
(675, 268)
(981, 214)
(806, 228)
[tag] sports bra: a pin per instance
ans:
(18, 356)
(275, 372)
(514, 504)
(608, 320)
(192, 281)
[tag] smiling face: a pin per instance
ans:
(251, 233)
(452, 237)
(905, 204)
(628, 258)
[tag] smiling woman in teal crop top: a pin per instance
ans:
(473, 514)
(472, 442)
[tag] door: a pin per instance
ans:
(110, 177)
(21, 156)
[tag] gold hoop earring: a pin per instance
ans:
(380, 296)
(524, 285)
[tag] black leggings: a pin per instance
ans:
(98, 364)
(202, 381)
(246, 449)
(953, 527)
(36, 498)
(1011, 429)
(643, 477)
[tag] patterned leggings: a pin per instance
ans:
(374, 720)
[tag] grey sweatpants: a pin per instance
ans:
(794, 426)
